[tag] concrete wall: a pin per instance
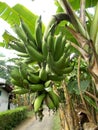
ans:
(3, 100)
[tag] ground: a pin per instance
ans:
(34, 124)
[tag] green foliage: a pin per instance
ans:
(91, 102)
(73, 86)
(49, 52)
(8, 14)
(11, 118)
(76, 4)
(12, 15)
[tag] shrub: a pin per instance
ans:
(11, 118)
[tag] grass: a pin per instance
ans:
(56, 122)
(30, 113)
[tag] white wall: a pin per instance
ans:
(3, 100)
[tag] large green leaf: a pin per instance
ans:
(91, 102)
(12, 15)
(76, 3)
(8, 14)
(73, 86)
(28, 16)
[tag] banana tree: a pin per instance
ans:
(83, 27)
(81, 33)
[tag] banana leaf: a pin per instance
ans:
(26, 15)
(76, 3)
(8, 14)
(12, 15)
(91, 102)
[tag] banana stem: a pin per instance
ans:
(92, 96)
(82, 12)
(79, 87)
(69, 111)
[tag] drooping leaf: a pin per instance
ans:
(76, 3)
(2, 44)
(8, 14)
(12, 15)
(73, 86)
(59, 8)
(26, 15)
(8, 37)
(91, 102)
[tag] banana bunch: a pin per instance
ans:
(28, 47)
(49, 97)
(43, 62)
(18, 78)
(52, 100)
(39, 102)
(20, 90)
(38, 33)
(59, 64)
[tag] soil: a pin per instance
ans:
(32, 123)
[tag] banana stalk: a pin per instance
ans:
(94, 25)
(74, 19)
(54, 21)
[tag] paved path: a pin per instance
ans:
(35, 124)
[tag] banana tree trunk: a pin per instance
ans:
(68, 116)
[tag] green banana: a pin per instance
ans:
(20, 33)
(21, 45)
(45, 49)
(22, 55)
(49, 102)
(33, 78)
(61, 49)
(25, 83)
(67, 70)
(27, 31)
(60, 64)
(23, 70)
(17, 82)
(28, 60)
(38, 102)
(52, 66)
(33, 44)
(51, 62)
(20, 91)
(33, 53)
(15, 73)
(54, 98)
(36, 87)
(55, 77)
(48, 83)
(16, 48)
(38, 32)
(57, 46)
(43, 74)
(50, 43)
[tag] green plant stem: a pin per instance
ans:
(79, 87)
(82, 12)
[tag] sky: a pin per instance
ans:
(45, 8)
